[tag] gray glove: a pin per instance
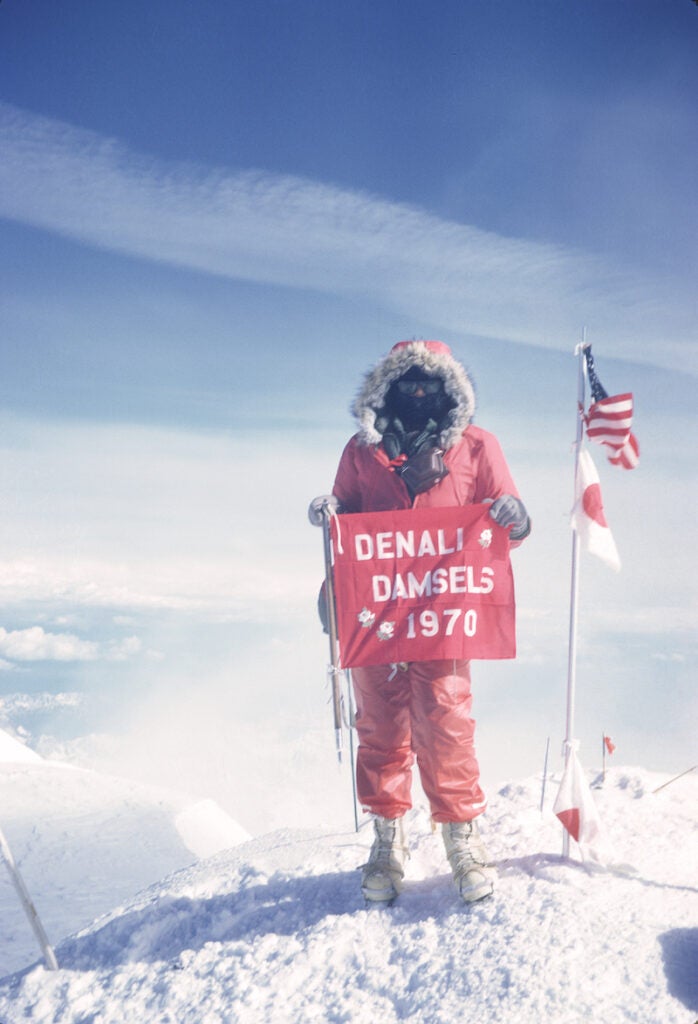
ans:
(510, 511)
(315, 513)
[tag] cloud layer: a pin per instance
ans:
(287, 231)
(36, 644)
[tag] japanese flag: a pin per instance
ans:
(575, 807)
(588, 517)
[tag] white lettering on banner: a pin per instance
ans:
(430, 624)
(405, 545)
(363, 543)
(457, 579)
(383, 549)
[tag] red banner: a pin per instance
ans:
(421, 585)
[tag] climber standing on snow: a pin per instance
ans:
(416, 447)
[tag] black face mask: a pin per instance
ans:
(415, 410)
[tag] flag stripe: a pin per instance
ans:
(616, 419)
(615, 404)
(612, 438)
(610, 423)
(629, 455)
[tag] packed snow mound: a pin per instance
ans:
(14, 751)
(206, 829)
(275, 931)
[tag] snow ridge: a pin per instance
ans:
(275, 930)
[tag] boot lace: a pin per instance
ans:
(386, 849)
(466, 849)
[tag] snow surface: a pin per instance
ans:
(275, 930)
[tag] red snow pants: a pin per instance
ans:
(421, 709)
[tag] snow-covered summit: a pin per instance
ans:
(275, 930)
(14, 751)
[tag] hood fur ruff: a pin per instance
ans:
(434, 357)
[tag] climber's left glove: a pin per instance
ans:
(510, 511)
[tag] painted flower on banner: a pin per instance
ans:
(386, 631)
(485, 538)
(366, 617)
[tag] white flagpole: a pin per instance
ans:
(27, 905)
(574, 587)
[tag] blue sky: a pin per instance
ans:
(215, 217)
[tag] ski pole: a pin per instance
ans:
(334, 669)
(545, 775)
(687, 772)
(27, 905)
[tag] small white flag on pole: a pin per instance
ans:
(575, 807)
(588, 517)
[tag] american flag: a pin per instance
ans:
(609, 419)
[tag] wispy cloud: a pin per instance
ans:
(36, 644)
(303, 234)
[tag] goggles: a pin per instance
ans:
(429, 386)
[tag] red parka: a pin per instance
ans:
(477, 472)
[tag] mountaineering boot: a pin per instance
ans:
(468, 859)
(382, 875)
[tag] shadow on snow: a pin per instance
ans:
(171, 925)
(680, 955)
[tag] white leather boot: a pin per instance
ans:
(382, 875)
(472, 875)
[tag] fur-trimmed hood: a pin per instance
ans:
(435, 358)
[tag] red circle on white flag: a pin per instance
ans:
(592, 504)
